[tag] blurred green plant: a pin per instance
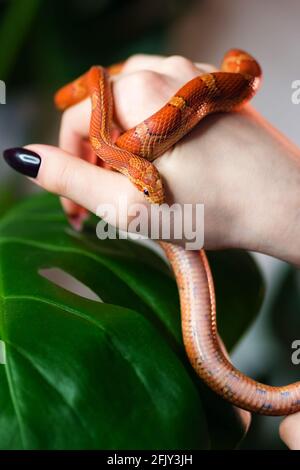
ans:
(114, 372)
(16, 23)
(9, 195)
(46, 43)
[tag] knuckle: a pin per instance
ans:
(146, 78)
(135, 59)
(178, 62)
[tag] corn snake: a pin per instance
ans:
(132, 154)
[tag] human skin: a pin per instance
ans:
(245, 172)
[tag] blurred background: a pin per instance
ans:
(46, 43)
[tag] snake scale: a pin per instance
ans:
(222, 91)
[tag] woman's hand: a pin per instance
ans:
(245, 172)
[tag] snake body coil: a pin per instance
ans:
(132, 154)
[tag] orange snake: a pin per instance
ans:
(131, 155)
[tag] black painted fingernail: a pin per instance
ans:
(24, 161)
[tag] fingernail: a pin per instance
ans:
(22, 160)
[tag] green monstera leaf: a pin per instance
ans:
(108, 373)
(9, 195)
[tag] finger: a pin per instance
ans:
(72, 134)
(77, 214)
(139, 62)
(72, 138)
(76, 119)
(289, 431)
(87, 185)
(129, 108)
(75, 127)
(183, 68)
(148, 90)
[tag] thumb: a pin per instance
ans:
(59, 172)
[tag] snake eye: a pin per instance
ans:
(146, 192)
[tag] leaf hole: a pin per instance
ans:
(63, 279)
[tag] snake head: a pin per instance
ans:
(153, 193)
(147, 180)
